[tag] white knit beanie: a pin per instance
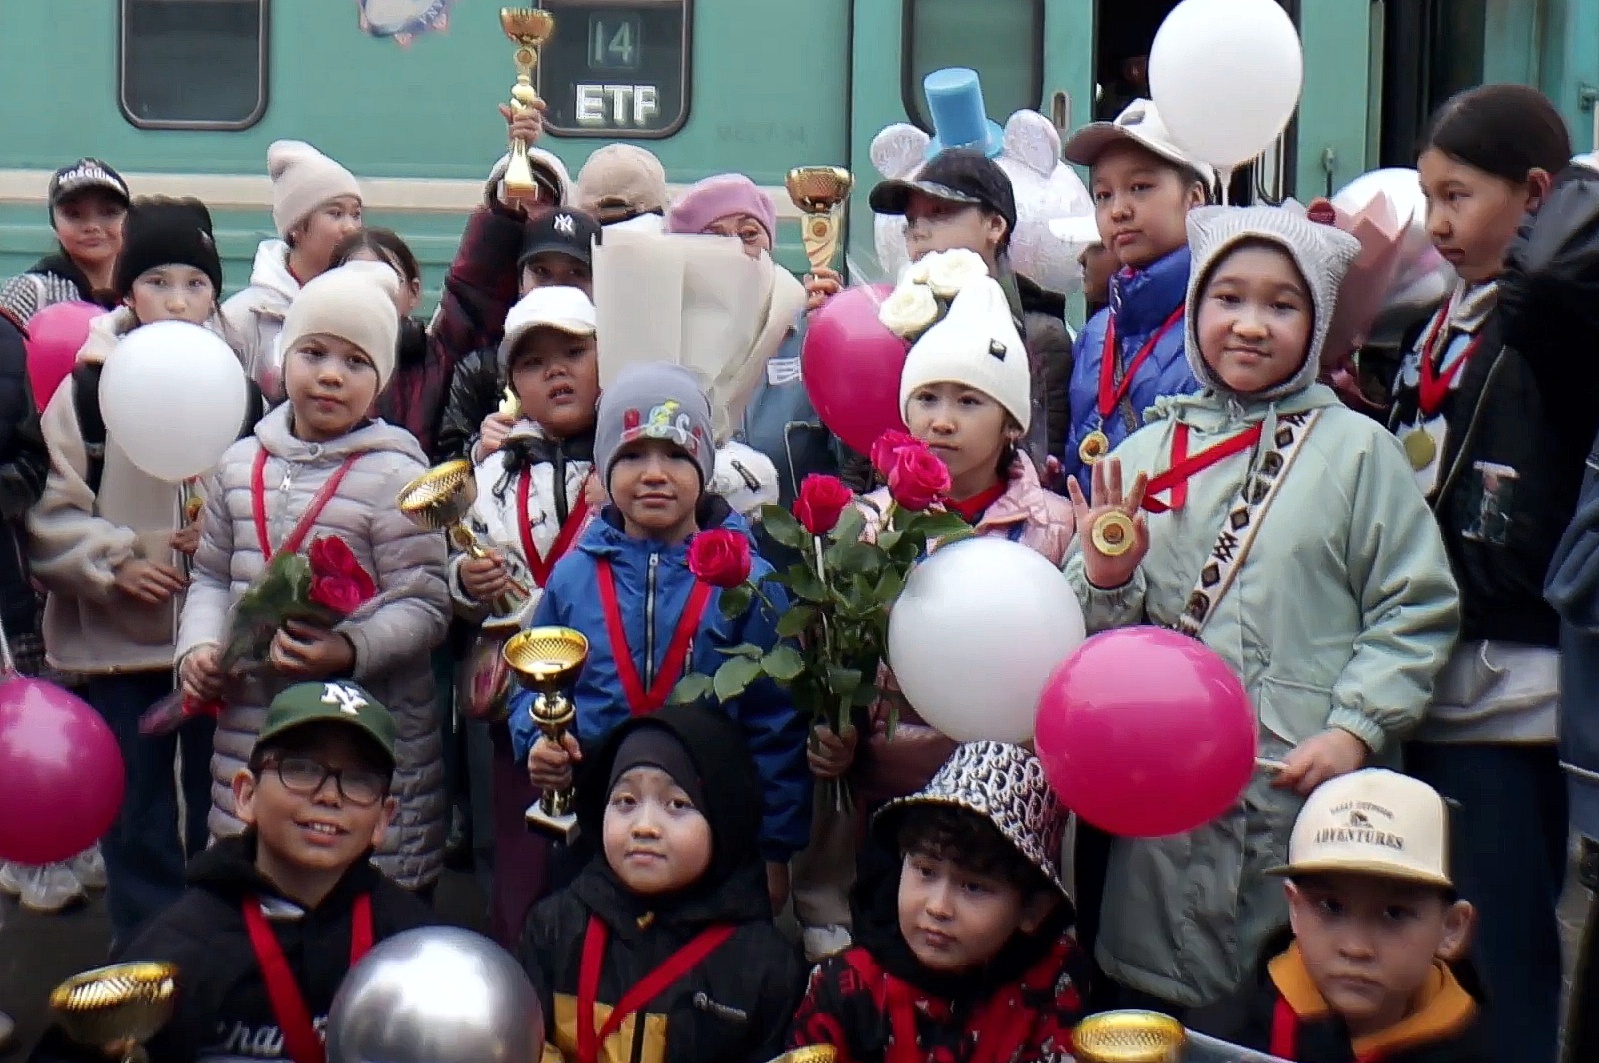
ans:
(302, 180)
(975, 344)
(355, 303)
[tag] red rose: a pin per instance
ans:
(821, 502)
(331, 557)
(918, 479)
(720, 557)
(887, 446)
(337, 594)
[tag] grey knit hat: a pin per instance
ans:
(1005, 785)
(655, 401)
(1322, 253)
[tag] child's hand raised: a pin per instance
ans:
(1110, 570)
(148, 582)
(549, 766)
(484, 578)
(491, 436)
(308, 651)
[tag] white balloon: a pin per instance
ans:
(1226, 76)
(977, 632)
(173, 397)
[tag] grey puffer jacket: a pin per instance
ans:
(393, 634)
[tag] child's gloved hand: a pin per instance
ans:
(308, 651)
(484, 578)
(830, 755)
(201, 673)
(549, 766)
(148, 582)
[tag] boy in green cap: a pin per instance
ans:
(273, 919)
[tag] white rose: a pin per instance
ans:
(950, 271)
(909, 311)
(914, 273)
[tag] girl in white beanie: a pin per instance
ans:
(319, 465)
(315, 204)
(966, 391)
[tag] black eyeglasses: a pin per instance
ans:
(305, 776)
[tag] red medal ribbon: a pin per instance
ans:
(971, 510)
(640, 702)
(1185, 467)
(542, 565)
(1433, 389)
(301, 1042)
(1284, 1029)
(307, 519)
(1111, 394)
(645, 990)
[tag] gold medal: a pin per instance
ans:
(1113, 534)
(1095, 445)
(1420, 448)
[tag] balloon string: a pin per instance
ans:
(1225, 175)
(7, 662)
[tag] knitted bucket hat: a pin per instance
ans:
(1005, 785)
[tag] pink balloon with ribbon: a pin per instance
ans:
(61, 773)
(1145, 732)
(852, 363)
(55, 336)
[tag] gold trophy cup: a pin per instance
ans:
(818, 191)
(116, 1009)
(440, 499)
(528, 27)
(809, 1054)
(1129, 1037)
(547, 661)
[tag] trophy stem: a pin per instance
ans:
(519, 174)
(821, 239)
(554, 715)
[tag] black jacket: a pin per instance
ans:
(1445, 1030)
(24, 465)
(475, 392)
(735, 1006)
(223, 1010)
(1515, 412)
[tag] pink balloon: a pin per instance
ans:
(851, 363)
(1145, 732)
(61, 774)
(55, 335)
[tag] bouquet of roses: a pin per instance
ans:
(836, 627)
(322, 586)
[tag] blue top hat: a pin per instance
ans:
(960, 119)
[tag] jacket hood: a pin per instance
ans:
(1213, 411)
(271, 270)
(227, 870)
(274, 433)
(1322, 253)
(1142, 300)
(733, 888)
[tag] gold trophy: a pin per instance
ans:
(1129, 1037)
(529, 27)
(818, 191)
(440, 499)
(547, 661)
(116, 1009)
(809, 1054)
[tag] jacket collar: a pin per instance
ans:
(227, 870)
(1443, 1010)
(271, 270)
(1024, 499)
(1142, 300)
(1209, 411)
(606, 539)
(275, 435)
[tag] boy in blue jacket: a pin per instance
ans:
(648, 620)
(1131, 353)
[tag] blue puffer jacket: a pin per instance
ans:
(1142, 303)
(653, 580)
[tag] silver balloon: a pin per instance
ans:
(1424, 277)
(435, 994)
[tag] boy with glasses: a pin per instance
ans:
(274, 919)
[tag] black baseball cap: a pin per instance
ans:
(956, 175)
(568, 232)
(84, 175)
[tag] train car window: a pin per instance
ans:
(616, 68)
(192, 64)
(1003, 40)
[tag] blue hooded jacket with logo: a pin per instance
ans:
(653, 583)
(1141, 302)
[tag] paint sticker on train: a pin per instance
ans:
(404, 20)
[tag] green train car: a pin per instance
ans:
(183, 96)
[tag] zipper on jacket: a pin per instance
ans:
(649, 621)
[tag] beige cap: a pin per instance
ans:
(1139, 123)
(620, 181)
(1372, 822)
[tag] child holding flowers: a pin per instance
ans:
(655, 584)
(319, 468)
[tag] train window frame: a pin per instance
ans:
(910, 87)
(262, 81)
(686, 67)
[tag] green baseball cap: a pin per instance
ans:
(332, 701)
